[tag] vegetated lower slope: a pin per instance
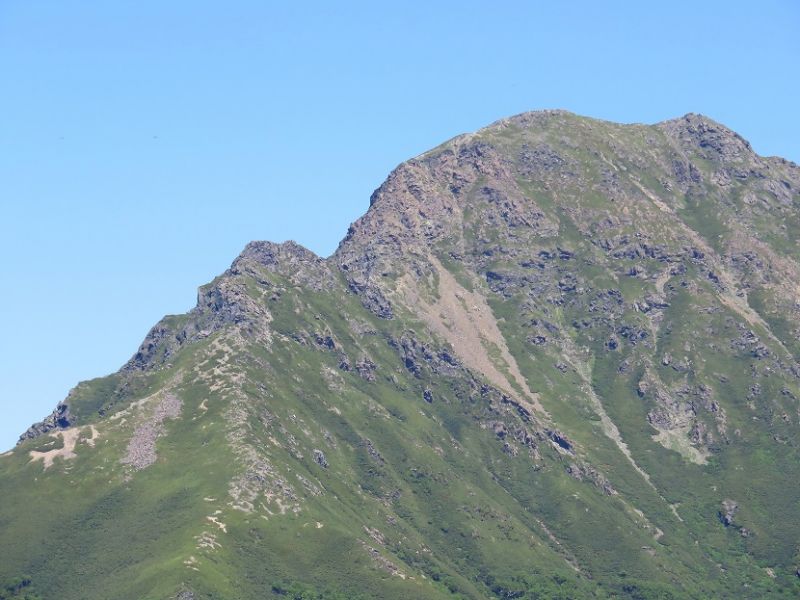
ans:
(557, 358)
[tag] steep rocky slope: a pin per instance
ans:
(556, 358)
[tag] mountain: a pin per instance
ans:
(556, 358)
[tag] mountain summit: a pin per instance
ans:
(558, 357)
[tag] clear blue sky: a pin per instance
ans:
(143, 143)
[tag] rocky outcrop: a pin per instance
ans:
(58, 419)
(227, 301)
(290, 260)
(728, 512)
(707, 138)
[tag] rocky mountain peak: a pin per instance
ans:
(273, 254)
(709, 139)
(556, 357)
(288, 259)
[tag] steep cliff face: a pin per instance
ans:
(555, 356)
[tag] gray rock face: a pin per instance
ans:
(58, 419)
(319, 458)
(225, 301)
(290, 259)
(729, 510)
(714, 141)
